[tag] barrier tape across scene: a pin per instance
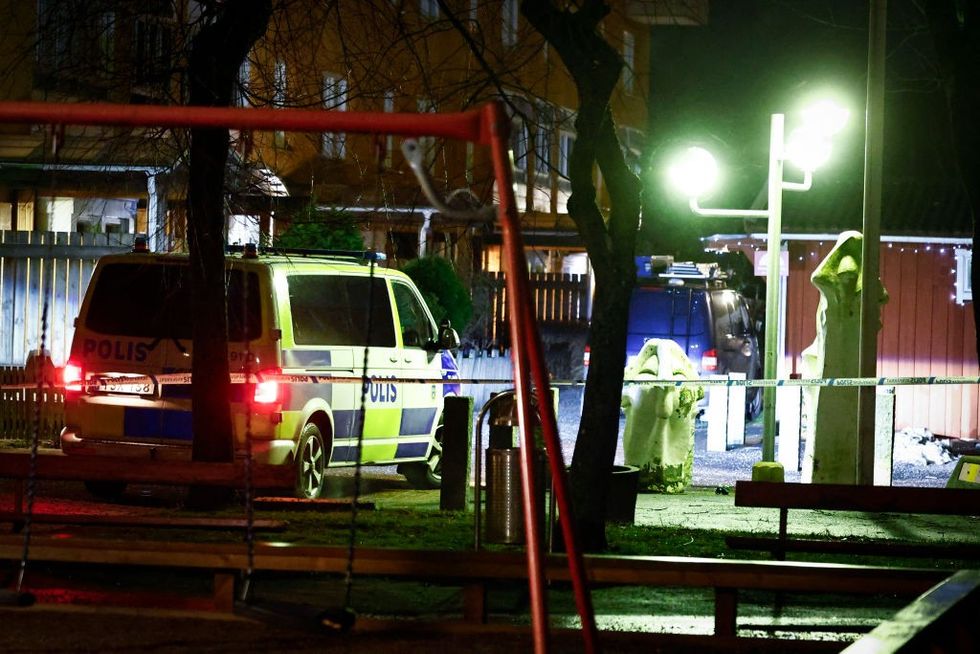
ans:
(109, 384)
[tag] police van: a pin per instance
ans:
(302, 320)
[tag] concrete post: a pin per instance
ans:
(457, 434)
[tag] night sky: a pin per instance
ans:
(716, 86)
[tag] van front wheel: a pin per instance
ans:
(311, 463)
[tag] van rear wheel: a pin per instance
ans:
(311, 463)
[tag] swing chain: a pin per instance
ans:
(32, 469)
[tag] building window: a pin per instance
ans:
(964, 283)
(279, 97)
(518, 144)
(76, 45)
(429, 8)
(334, 94)
(55, 34)
(427, 144)
(632, 142)
(242, 90)
(566, 140)
(542, 140)
(153, 38)
(508, 33)
(279, 84)
(389, 107)
(107, 42)
(629, 61)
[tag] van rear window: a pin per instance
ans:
(333, 310)
(154, 301)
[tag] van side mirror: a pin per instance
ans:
(448, 338)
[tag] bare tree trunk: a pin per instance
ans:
(216, 56)
(610, 241)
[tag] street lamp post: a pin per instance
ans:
(808, 148)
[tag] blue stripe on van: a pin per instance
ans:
(292, 358)
(409, 450)
(342, 453)
(299, 395)
(157, 423)
(416, 422)
(345, 423)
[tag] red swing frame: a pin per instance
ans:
(486, 125)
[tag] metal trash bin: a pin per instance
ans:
(504, 506)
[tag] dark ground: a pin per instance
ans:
(58, 627)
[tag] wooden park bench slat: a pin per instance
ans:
(151, 521)
(845, 497)
(304, 504)
(875, 547)
(474, 569)
(55, 465)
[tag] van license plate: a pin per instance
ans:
(126, 389)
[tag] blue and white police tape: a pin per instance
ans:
(124, 382)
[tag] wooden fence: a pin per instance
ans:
(558, 299)
(51, 267)
(19, 417)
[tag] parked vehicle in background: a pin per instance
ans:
(691, 305)
(302, 314)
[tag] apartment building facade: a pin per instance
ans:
(352, 55)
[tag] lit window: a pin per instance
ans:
(519, 138)
(566, 140)
(279, 98)
(389, 139)
(279, 85)
(334, 93)
(542, 147)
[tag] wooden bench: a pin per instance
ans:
(473, 571)
(842, 497)
(15, 464)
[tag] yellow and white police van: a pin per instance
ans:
(303, 321)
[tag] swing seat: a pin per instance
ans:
(297, 616)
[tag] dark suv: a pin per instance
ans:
(691, 305)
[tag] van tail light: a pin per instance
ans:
(587, 356)
(709, 360)
(266, 390)
(72, 377)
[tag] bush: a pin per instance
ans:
(321, 230)
(442, 290)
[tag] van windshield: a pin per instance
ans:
(154, 301)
